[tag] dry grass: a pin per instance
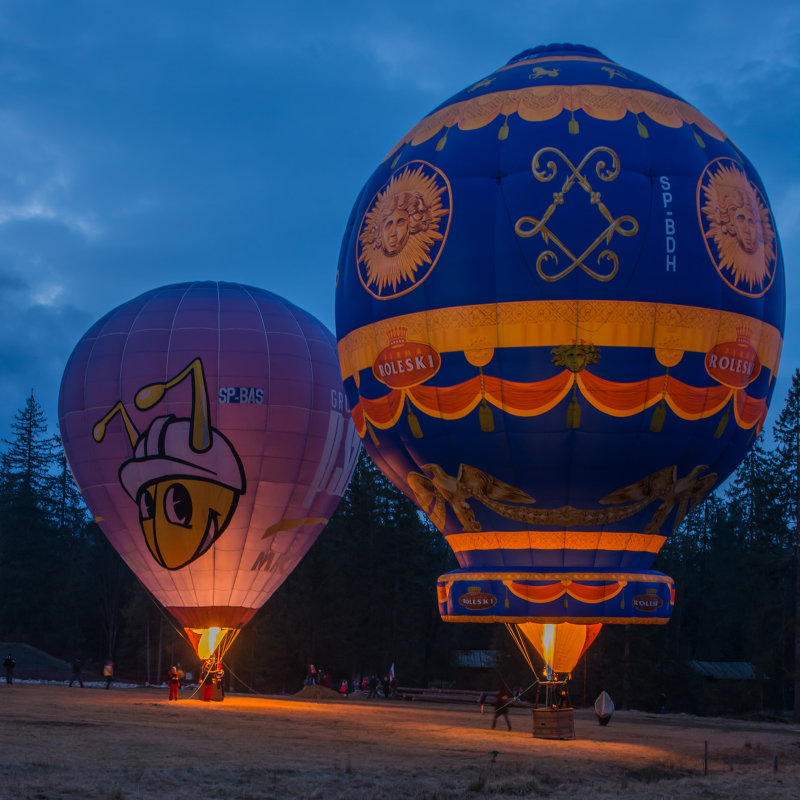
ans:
(58, 743)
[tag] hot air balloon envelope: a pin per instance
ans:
(560, 312)
(206, 428)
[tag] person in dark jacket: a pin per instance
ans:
(9, 664)
(373, 686)
(501, 702)
(76, 672)
(218, 682)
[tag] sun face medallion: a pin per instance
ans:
(738, 228)
(404, 230)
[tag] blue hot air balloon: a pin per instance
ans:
(559, 312)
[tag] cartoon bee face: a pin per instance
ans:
(185, 476)
(181, 519)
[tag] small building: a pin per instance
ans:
(475, 669)
(725, 670)
(725, 687)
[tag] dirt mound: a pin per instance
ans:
(317, 693)
(34, 664)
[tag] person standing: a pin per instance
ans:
(108, 672)
(76, 672)
(9, 664)
(218, 682)
(373, 686)
(174, 682)
(207, 680)
(501, 702)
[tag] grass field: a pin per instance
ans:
(58, 742)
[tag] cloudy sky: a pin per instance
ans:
(144, 143)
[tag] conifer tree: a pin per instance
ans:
(759, 561)
(28, 456)
(786, 432)
(67, 509)
(28, 561)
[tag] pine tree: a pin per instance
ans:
(67, 509)
(786, 432)
(754, 501)
(29, 454)
(28, 561)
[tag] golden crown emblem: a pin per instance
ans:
(397, 335)
(743, 334)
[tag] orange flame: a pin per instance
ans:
(548, 651)
(207, 641)
(560, 645)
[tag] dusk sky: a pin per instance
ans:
(149, 143)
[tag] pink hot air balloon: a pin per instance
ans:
(206, 427)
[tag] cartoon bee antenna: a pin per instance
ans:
(151, 394)
(185, 475)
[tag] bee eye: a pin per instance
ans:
(178, 504)
(146, 505)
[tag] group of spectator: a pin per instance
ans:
(370, 685)
(379, 687)
(318, 677)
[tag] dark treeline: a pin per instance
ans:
(364, 597)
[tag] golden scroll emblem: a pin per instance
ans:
(526, 227)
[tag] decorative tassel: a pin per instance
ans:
(659, 416)
(442, 142)
(413, 423)
(506, 597)
(372, 435)
(640, 128)
(723, 422)
(485, 412)
(502, 134)
(698, 138)
(485, 416)
(573, 124)
(566, 597)
(574, 411)
(622, 601)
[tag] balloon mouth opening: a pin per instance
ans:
(558, 49)
(560, 645)
(212, 641)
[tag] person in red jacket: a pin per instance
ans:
(174, 681)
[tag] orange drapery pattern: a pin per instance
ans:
(533, 399)
(586, 593)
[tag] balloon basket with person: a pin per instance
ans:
(554, 718)
(212, 678)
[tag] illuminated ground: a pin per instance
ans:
(57, 742)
